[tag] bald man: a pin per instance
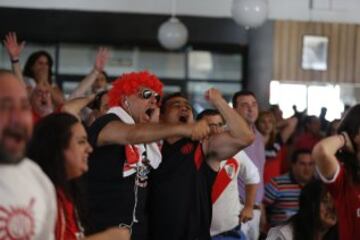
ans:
(27, 202)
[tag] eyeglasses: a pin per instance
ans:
(147, 94)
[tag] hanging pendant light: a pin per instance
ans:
(249, 13)
(173, 34)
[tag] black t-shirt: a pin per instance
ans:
(180, 190)
(272, 150)
(110, 196)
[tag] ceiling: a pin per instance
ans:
(345, 11)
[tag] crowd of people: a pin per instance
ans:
(126, 161)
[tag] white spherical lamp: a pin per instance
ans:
(173, 34)
(249, 13)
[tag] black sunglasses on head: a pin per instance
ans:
(147, 93)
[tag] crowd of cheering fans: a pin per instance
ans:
(123, 160)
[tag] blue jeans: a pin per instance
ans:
(233, 234)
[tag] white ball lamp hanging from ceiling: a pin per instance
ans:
(249, 13)
(173, 34)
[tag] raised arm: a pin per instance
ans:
(238, 135)
(85, 84)
(74, 106)
(324, 153)
(288, 129)
(117, 132)
(14, 50)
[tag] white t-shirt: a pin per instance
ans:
(27, 202)
(282, 232)
(226, 209)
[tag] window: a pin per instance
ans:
(189, 71)
(206, 65)
(27, 51)
(212, 69)
(309, 97)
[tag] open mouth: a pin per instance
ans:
(150, 112)
(43, 102)
(183, 119)
(18, 134)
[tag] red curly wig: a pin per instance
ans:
(129, 83)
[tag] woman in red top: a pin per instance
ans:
(59, 145)
(274, 141)
(343, 179)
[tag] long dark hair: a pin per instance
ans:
(51, 137)
(307, 221)
(351, 125)
(28, 72)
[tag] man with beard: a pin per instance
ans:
(180, 202)
(27, 202)
(125, 152)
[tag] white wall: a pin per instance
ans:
(323, 10)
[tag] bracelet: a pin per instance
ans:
(14, 60)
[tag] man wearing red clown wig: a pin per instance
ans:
(125, 151)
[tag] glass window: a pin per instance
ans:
(215, 66)
(163, 64)
(325, 96)
(287, 95)
(196, 92)
(311, 97)
(205, 68)
(27, 51)
(76, 59)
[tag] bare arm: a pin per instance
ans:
(85, 84)
(117, 132)
(324, 154)
(74, 106)
(246, 213)
(288, 129)
(14, 50)
(57, 95)
(228, 143)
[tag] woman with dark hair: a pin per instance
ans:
(59, 145)
(315, 220)
(38, 67)
(38, 70)
(343, 179)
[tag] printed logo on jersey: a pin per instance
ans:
(187, 148)
(230, 170)
(17, 222)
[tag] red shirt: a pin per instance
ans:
(66, 224)
(347, 202)
(36, 117)
(275, 166)
(306, 141)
